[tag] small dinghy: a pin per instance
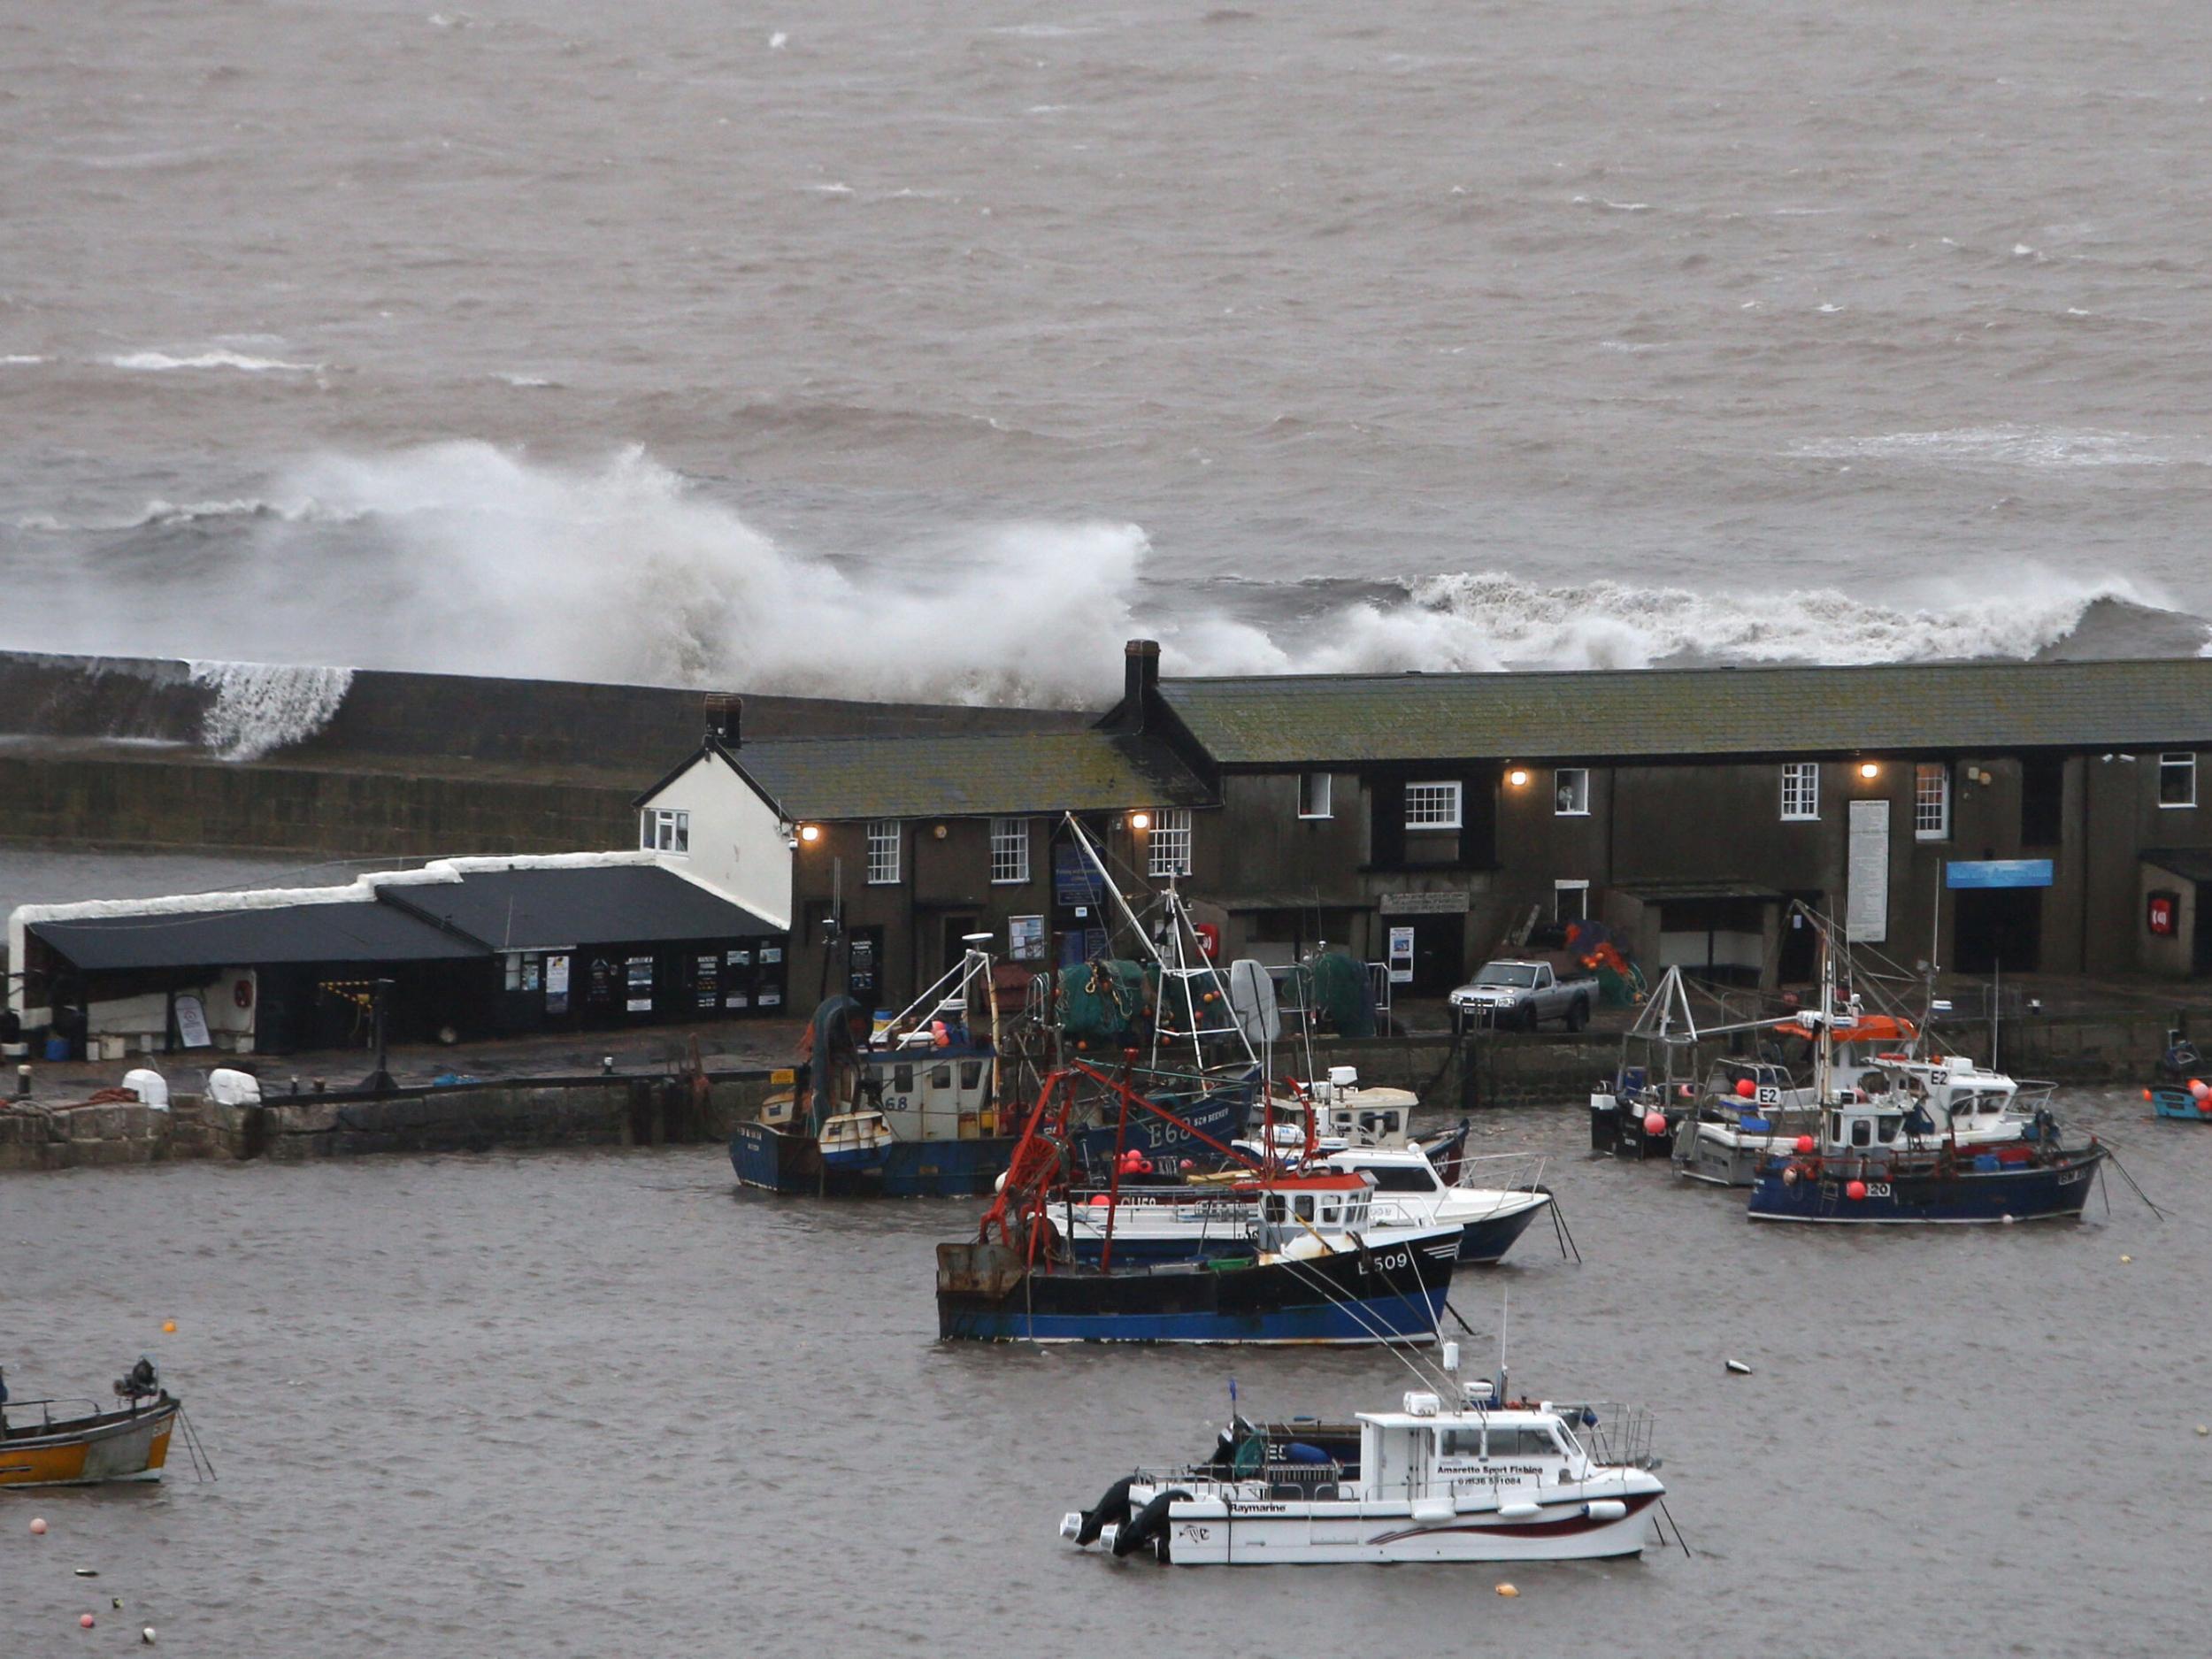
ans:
(1462, 1476)
(128, 1443)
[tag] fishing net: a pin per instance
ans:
(1340, 997)
(1107, 1000)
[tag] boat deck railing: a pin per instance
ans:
(1621, 1435)
(90, 1409)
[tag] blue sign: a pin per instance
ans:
(1997, 872)
(1075, 879)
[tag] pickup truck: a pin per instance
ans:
(1521, 993)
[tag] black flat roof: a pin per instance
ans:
(550, 909)
(349, 931)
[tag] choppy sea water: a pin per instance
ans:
(664, 343)
(600, 1403)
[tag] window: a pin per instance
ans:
(1570, 792)
(1171, 841)
(1570, 901)
(2176, 780)
(1432, 805)
(1460, 1443)
(1313, 794)
(1801, 790)
(883, 852)
(2042, 801)
(662, 830)
(1009, 850)
(1403, 1178)
(1931, 801)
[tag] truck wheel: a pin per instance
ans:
(1530, 1018)
(1578, 1013)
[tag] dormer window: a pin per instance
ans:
(664, 830)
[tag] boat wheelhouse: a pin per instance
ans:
(1456, 1478)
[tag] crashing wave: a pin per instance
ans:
(263, 707)
(162, 361)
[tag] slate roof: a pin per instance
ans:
(346, 932)
(551, 909)
(1001, 774)
(1953, 707)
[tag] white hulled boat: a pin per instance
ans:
(1457, 1478)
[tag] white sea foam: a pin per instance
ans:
(1488, 620)
(261, 707)
(161, 362)
(465, 557)
(2008, 446)
(19, 359)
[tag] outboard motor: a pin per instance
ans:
(1150, 1525)
(1112, 1510)
(143, 1382)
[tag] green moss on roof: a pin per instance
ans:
(985, 775)
(1278, 721)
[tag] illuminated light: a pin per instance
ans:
(1140, 820)
(1869, 771)
(810, 832)
(1518, 777)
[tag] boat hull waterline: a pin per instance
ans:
(1964, 1197)
(1219, 1535)
(1392, 1292)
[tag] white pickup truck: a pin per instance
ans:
(1520, 993)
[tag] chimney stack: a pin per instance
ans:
(723, 709)
(1141, 677)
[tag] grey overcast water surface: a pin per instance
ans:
(677, 341)
(599, 1404)
(930, 350)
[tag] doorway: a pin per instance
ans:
(1440, 954)
(2201, 935)
(958, 926)
(1799, 958)
(1998, 928)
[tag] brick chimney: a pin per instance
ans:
(723, 709)
(1141, 677)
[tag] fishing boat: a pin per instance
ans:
(1310, 1267)
(1149, 1222)
(1456, 1474)
(914, 1110)
(90, 1447)
(2177, 1089)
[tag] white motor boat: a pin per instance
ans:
(1465, 1478)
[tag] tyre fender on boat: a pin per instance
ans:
(1149, 1523)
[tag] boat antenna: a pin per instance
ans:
(1505, 1319)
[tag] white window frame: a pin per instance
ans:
(1932, 810)
(663, 829)
(1312, 802)
(1441, 806)
(1559, 782)
(1800, 791)
(1010, 851)
(1168, 852)
(2183, 761)
(885, 839)
(1559, 890)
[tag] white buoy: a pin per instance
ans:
(1738, 1368)
(147, 1635)
(2204, 1428)
(38, 1527)
(1451, 1357)
(2125, 1260)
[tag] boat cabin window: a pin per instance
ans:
(1521, 1443)
(1887, 1126)
(1404, 1177)
(1459, 1443)
(1275, 1208)
(1331, 1212)
(1862, 1132)
(971, 1073)
(902, 1079)
(1302, 1206)
(940, 1077)
(1835, 1126)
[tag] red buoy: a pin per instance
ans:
(1656, 1123)
(1804, 1143)
(1854, 1191)
(1745, 1088)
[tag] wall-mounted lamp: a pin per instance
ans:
(1518, 777)
(810, 833)
(1140, 820)
(1870, 770)
(939, 832)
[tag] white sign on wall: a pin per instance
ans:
(1402, 956)
(1866, 907)
(192, 1022)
